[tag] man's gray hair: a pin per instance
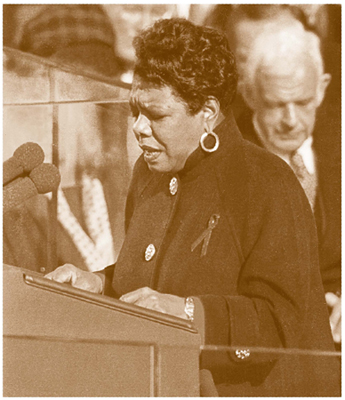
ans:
(281, 40)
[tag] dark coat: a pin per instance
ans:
(259, 281)
(327, 148)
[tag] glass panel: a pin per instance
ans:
(25, 78)
(82, 123)
(74, 87)
(30, 79)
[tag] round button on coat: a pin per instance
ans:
(173, 186)
(150, 252)
(242, 354)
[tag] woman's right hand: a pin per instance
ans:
(78, 278)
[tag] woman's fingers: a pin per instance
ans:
(63, 274)
(144, 297)
(334, 302)
(150, 302)
(331, 299)
(133, 297)
(149, 298)
(78, 278)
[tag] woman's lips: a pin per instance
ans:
(150, 153)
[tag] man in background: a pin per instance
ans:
(284, 84)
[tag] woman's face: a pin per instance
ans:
(164, 129)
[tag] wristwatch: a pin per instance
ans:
(189, 308)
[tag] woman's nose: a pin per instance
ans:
(290, 116)
(141, 126)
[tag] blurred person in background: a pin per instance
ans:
(242, 23)
(128, 20)
(78, 34)
(219, 231)
(284, 85)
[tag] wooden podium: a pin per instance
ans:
(61, 341)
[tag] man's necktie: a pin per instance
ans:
(308, 181)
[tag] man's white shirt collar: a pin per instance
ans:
(305, 151)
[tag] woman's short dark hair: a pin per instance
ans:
(195, 61)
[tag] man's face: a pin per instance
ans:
(286, 103)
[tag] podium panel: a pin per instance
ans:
(78, 369)
(62, 341)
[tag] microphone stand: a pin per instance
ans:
(52, 261)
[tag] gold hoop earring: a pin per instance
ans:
(202, 142)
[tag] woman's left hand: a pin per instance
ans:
(149, 298)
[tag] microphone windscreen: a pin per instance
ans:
(30, 155)
(46, 178)
(17, 192)
(11, 168)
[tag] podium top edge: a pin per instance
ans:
(36, 279)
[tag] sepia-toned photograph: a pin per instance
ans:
(171, 200)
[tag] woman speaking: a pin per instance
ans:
(217, 230)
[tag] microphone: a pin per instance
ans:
(43, 179)
(46, 178)
(27, 156)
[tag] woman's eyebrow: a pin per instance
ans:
(134, 103)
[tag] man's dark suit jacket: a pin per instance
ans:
(327, 148)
